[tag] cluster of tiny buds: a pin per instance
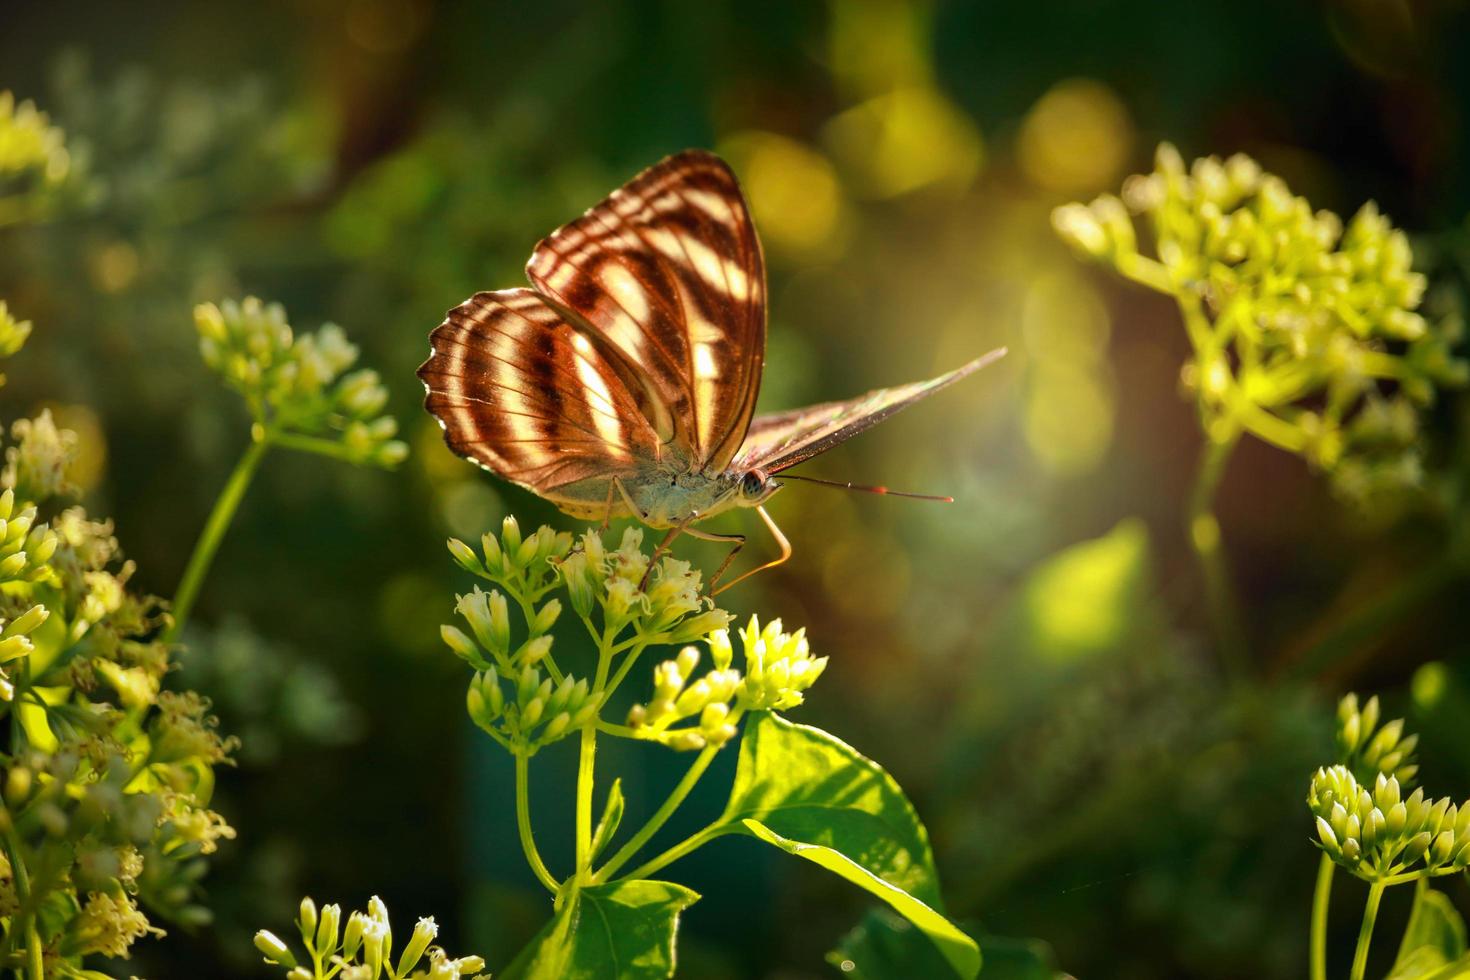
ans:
(526, 564)
(676, 699)
(488, 616)
(28, 141)
(364, 949)
(1368, 749)
(540, 712)
(25, 546)
(13, 332)
(779, 668)
(662, 603)
(1380, 835)
(296, 382)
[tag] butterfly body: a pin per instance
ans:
(624, 383)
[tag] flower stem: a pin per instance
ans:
(661, 815)
(585, 776)
(1365, 934)
(213, 534)
(693, 841)
(1320, 898)
(24, 922)
(523, 822)
(1204, 538)
(587, 759)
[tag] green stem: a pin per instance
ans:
(1365, 933)
(1204, 537)
(587, 759)
(1320, 898)
(662, 814)
(585, 776)
(314, 444)
(25, 917)
(523, 823)
(693, 841)
(213, 534)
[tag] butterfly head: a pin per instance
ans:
(756, 486)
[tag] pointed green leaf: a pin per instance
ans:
(625, 930)
(818, 798)
(612, 815)
(958, 949)
(1434, 942)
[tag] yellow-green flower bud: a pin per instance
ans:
(534, 650)
(687, 660)
(1415, 848)
(510, 536)
(576, 573)
(326, 932)
(276, 952)
(307, 919)
(556, 726)
(686, 741)
(424, 932)
(531, 713)
(26, 622)
(465, 557)
(720, 650)
(352, 935)
(546, 617)
(1442, 848)
(462, 645)
(490, 545)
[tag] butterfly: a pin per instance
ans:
(624, 382)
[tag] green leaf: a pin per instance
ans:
(884, 946)
(1434, 942)
(625, 930)
(612, 815)
(818, 798)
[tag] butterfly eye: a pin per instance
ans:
(752, 484)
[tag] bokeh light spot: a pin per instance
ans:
(1076, 139)
(1429, 684)
(905, 140)
(793, 191)
(1069, 408)
(90, 462)
(1069, 419)
(1080, 602)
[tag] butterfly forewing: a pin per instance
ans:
(527, 395)
(668, 270)
(779, 440)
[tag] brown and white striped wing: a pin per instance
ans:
(531, 398)
(669, 270)
(779, 440)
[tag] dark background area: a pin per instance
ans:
(1056, 720)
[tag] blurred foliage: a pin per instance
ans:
(373, 162)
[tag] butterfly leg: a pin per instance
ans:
(739, 540)
(612, 486)
(660, 551)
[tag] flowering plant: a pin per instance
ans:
(796, 788)
(1374, 823)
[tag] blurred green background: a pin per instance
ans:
(1030, 663)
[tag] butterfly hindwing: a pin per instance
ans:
(779, 440)
(668, 270)
(528, 396)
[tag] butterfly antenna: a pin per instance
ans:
(867, 489)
